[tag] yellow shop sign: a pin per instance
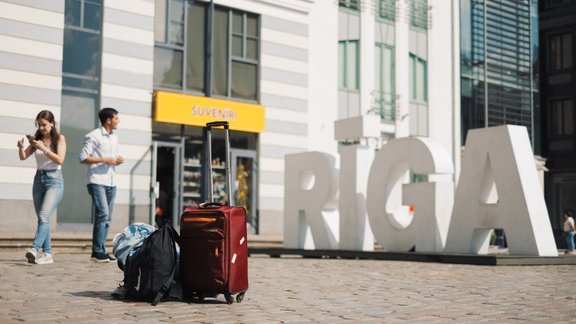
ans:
(197, 111)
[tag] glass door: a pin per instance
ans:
(167, 181)
(244, 180)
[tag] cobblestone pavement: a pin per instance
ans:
(297, 290)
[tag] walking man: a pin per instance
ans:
(100, 153)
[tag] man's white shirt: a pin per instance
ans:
(100, 143)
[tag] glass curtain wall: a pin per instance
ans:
(80, 100)
(498, 60)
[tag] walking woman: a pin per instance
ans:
(49, 149)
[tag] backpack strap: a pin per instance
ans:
(165, 288)
(175, 235)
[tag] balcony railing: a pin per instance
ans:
(384, 104)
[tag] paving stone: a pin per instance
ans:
(299, 290)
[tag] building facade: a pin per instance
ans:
(282, 72)
(558, 81)
(499, 65)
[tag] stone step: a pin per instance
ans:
(82, 243)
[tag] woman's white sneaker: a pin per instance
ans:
(31, 255)
(45, 259)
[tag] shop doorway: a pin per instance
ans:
(166, 179)
(244, 180)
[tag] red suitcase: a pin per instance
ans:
(214, 246)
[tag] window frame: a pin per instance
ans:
(166, 44)
(230, 56)
(243, 59)
(390, 114)
(413, 62)
(344, 81)
(558, 130)
(83, 79)
(418, 14)
(384, 6)
(550, 4)
(353, 5)
(566, 60)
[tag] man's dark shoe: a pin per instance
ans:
(111, 257)
(100, 257)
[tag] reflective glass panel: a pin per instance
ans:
(237, 46)
(92, 15)
(81, 53)
(73, 10)
(252, 26)
(252, 49)
(195, 47)
(167, 68)
(220, 55)
(244, 81)
(176, 28)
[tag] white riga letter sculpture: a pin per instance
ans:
(310, 186)
(388, 197)
(498, 188)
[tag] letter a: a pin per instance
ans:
(499, 161)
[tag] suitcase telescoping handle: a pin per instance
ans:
(210, 204)
(226, 127)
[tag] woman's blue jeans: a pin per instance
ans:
(570, 240)
(47, 192)
(103, 202)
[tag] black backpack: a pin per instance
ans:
(151, 274)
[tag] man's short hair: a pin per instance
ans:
(106, 113)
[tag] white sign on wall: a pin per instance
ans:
(498, 188)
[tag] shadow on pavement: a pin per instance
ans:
(94, 294)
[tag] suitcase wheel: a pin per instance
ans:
(229, 298)
(240, 297)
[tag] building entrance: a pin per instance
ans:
(166, 200)
(180, 174)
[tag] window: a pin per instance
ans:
(387, 9)
(80, 99)
(419, 13)
(244, 55)
(81, 57)
(562, 117)
(195, 48)
(350, 4)
(556, 3)
(384, 83)
(169, 38)
(348, 68)
(418, 79)
(560, 51)
(182, 60)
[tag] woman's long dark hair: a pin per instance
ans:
(49, 116)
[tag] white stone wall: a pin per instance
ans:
(30, 81)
